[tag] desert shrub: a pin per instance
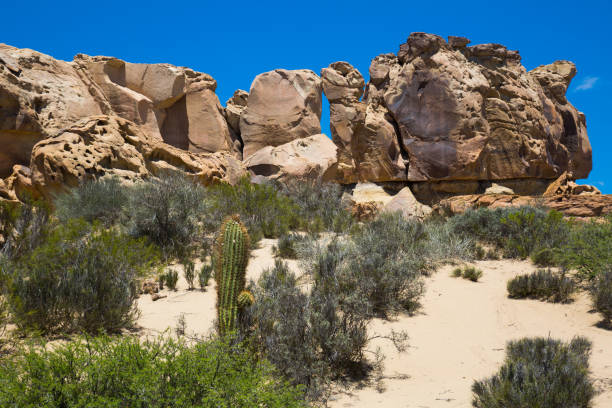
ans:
(287, 245)
(127, 372)
(81, 277)
(386, 262)
(170, 278)
(479, 252)
(601, 293)
(311, 336)
(589, 247)
(518, 232)
(168, 211)
(539, 372)
(22, 226)
(319, 205)
(544, 257)
(189, 273)
(542, 284)
(492, 254)
(467, 272)
(102, 199)
(442, 244)
(204, 275)
(265, 212)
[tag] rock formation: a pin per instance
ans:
(457, 113)
(309, 157)
(99, 146)
(282, 106)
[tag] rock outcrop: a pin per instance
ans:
(457, 113)
(309, 157)
(282, 106)
(102, 146)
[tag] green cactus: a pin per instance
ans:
(230, 260)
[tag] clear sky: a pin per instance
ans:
(236, 40)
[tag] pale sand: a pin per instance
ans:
(458, 336)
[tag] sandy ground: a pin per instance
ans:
(458, 336)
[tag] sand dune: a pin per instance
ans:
(458, 336)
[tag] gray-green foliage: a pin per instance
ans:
(543, 284)
(539, 372)
(104, 372)
(168, 211)
(204, 275)
(81, 277)
(601, 293)
(170, 278)
(103, 199)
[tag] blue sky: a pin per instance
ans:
(236, 40)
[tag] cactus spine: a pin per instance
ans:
(230, 261)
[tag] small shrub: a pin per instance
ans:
(81, 277)
(22, 226)
(287, 245)
(539, 372)
(544, 257)
(319, 205)
(161, 280)
(479, 252)
(204, 275)
(589, 247)
(189, 272)
(128, 372)
(542, 284)
(467, 272)
(265, 212)
(601, 293)
(167, 210)
(492, 255)
(171, 278)
(103, 199)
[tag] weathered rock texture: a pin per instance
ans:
(443, 111)
(309, 157)
(582, 206)
(100, 146)
(282, 106)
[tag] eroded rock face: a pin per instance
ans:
(368, 148)
(38, 96)
(282, 106)
(100, 146)
(309, 157)
(233, 110)
(459, 113)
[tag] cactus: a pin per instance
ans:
(230, 260)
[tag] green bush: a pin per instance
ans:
(265, 212)
(312, 336)
(544, 257)
(319, 205)
(518, 232)
(103, 200)
(467, 272)
(81, 277)
(601, 292)
(589, 247)
(168, 211)
(126, 372)
(189, 273)
(204, 275)
(385, 264)
(170, 278)
(542, 284)
(287, 245)
(539, 372)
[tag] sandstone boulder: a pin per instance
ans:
(233, 110)
(282, 106)
(370, 192)
(368, 148)
(100, 146)
(405, 202)
(309, 157)
(497, 189)
(455, 113)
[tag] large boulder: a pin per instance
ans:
(38, 96)
(282, 106)
(309, 157)
(368, 148)
(458, 113)
(103, 146)
(405, 202)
